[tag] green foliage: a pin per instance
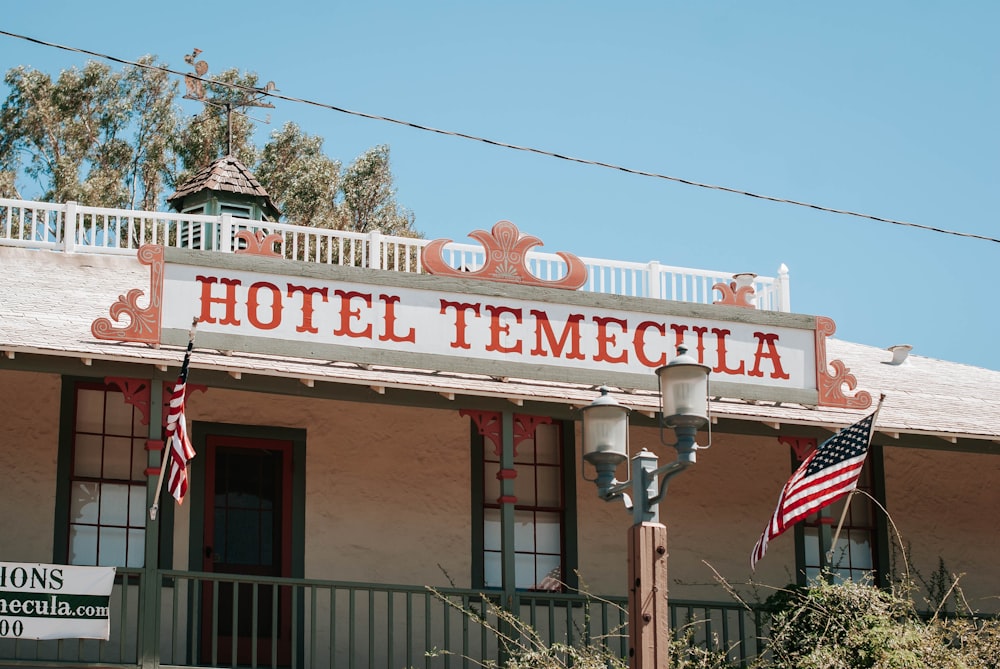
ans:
(851, 625)
(118, 139)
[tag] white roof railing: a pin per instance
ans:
(75, 228)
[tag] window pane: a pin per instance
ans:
(492, 576)
(136, 548)
(812, 546)
(117, 415)
(137, 505)
(83, 544)
(138, 459)
(524, 531)
(491, 485)
(548, 575)
(524, 452)
(524, 570)
(114, 505)
(89, 410)
(243, 537)
(547, 535)
(524, 486)
(87, 455)
(841, 554)
(491, 529)
(83, 505)
(117, 458)
(112, 547)
(861, 551)
(548, 486)
(547, 444)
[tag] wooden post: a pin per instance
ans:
(648, 613)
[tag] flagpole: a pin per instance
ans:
(847, 502)
(165, 460)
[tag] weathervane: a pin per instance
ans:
(195, 85)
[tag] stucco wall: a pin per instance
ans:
(29, 449)
(945, 506)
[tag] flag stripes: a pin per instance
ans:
(829, 473)
(180, 448)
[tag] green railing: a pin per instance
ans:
(284, 622)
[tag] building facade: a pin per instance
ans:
(388, 433)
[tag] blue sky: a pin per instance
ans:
(887, 108)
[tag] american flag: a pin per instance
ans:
(829, 473)
(181, 450)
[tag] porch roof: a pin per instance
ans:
(52, 298)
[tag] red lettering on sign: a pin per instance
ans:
(498, 328)
(207, 300)
(460, 324)
(253, 305)
(604, 339)
(307, 306)
(390, 321)
(570, 334)
(347, 314)
(639, 343)
(723, 366)
(771, 354)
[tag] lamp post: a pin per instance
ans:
(683, 385)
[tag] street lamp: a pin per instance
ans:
(683, 385)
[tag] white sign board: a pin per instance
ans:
(45, 601)
(370, 322)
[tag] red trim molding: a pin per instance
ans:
(144, 322)
(506, 252)
(831, 393)
(506, 499)
(506, 474)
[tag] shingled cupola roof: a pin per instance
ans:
(225, 176)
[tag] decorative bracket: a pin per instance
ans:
(489, 426)
(258, 243)
(135, 392)
(737, 293)
(801, 446)
(506, 251)
(831, 393)
(144, 325)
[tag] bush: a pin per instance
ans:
(857, 626)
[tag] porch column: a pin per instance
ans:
(507, 520)
(149, 588)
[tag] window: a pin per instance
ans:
(107, 481)
(857, 554)
(537, 511)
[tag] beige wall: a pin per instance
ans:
(29, 449)
(946, 506)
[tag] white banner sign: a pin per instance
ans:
(460, 327)
(45, 601)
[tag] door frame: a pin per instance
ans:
(200, 432)
(196, 493)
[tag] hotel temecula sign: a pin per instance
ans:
(251, 303)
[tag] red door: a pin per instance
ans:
(248, 531)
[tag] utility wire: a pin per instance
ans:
(505, 145)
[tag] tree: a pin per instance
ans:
(118, 139)
(370, 198)
(300, 178)
(92, 135)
